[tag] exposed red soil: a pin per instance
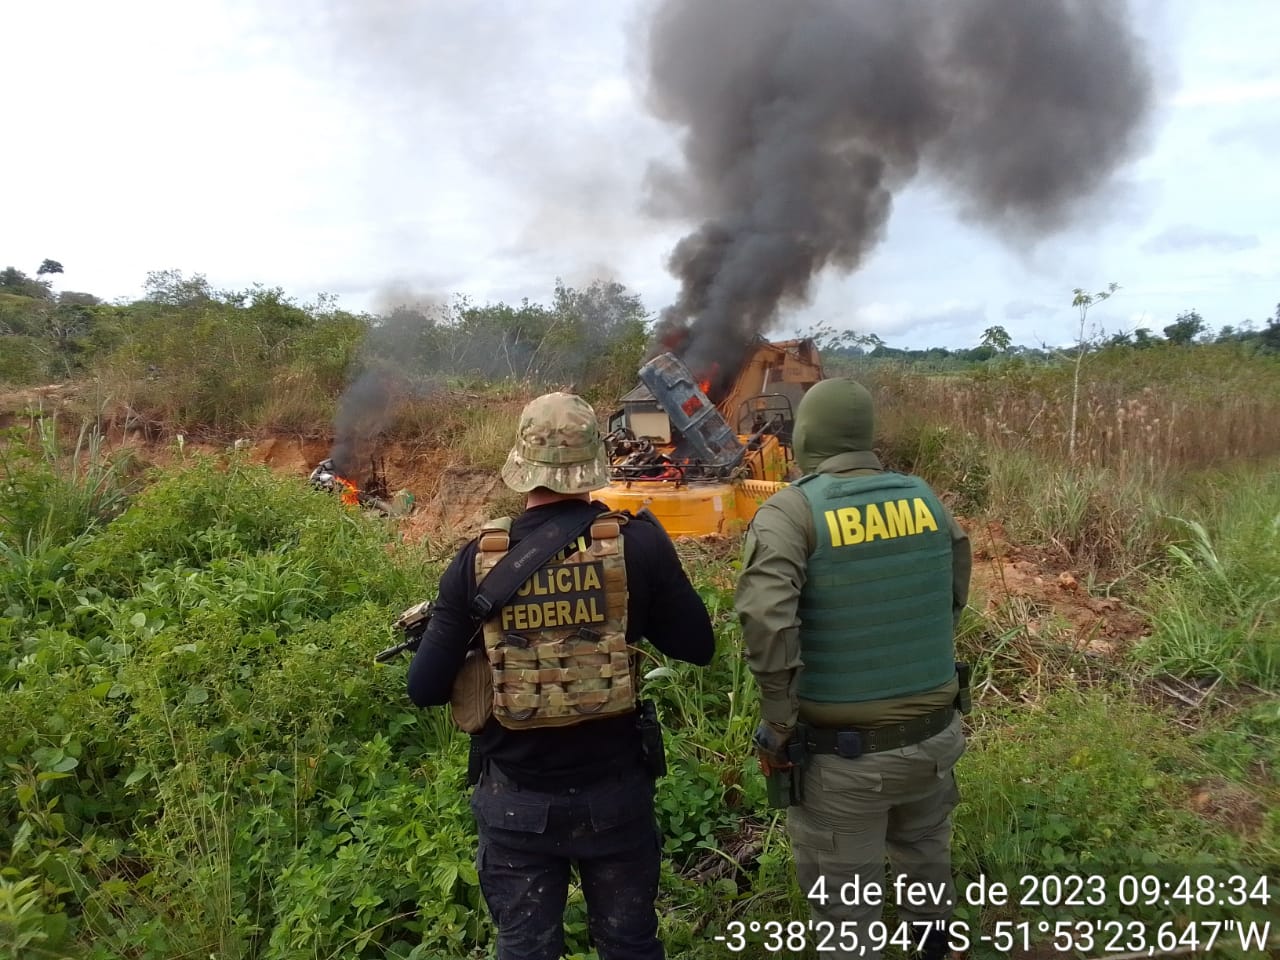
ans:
(452, 500)
(1002, 571)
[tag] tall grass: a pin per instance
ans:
(49, 494)
(1144, 413)
(997, 442)
(1218, 615)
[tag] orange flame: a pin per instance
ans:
(350, 494)
(705, 386)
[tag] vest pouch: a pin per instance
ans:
(471, 702)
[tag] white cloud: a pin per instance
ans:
(1265, 90)
(352, 147)
(1186, 237)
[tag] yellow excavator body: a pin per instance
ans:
(704, 470)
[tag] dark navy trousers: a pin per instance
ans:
(529, 839)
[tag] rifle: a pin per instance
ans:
(413, 623)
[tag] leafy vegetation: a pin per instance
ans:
(200, 757)
(187, 358)
(204, 759)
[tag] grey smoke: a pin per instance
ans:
(801, 119)
(363, 412)
(419, 343)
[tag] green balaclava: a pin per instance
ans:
(834, 416)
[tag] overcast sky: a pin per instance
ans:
(388, 148)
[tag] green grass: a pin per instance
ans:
(50, 495)
(205, 761)
(1218, 615)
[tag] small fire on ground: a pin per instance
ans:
(374, 493)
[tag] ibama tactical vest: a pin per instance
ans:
(558, 648)
(875, 610)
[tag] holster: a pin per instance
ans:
(651, 745)
(964, 700)
(785, 788)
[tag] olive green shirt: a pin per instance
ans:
(774, 565)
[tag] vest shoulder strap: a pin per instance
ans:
(831, 485)
(516, 566)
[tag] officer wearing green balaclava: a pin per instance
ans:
(853, 579)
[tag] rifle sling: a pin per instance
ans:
(509, 574)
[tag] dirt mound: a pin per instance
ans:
(1231, 804)
(289, 455)
(1002, 571)
(16, 404)
(453, 500)
(465, 498)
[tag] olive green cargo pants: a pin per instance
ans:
(897, 802)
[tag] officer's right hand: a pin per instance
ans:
(771, 747)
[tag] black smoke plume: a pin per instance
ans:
(801, 119)
(364, 410)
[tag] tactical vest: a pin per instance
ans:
(875, 611)
(558, 648)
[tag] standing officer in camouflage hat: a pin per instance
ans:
(567, 754)
(853, 580)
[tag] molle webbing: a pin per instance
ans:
(558, 648)
(875, 610)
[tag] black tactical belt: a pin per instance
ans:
(855, 742)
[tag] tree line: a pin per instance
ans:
(184, 332)
(1189, 328)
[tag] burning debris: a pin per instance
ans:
(800, 121)
(670, 430)
(375, 492)
(364, 412)
(703, 467)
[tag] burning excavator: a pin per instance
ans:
(703, 467)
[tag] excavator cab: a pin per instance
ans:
(704, 468)
(767, 414)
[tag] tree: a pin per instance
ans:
(1083, 302)
(75, 298)
(49, 266)
(1271, 335)
(170, 287)
(841, 342)
(979, 354)
(1185, 328)
(997, 338)
(13, 280)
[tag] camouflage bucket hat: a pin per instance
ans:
(558, 446)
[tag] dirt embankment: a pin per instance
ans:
(452, 500)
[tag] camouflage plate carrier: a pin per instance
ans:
(558, 649)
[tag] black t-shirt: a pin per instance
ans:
(662, 608)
